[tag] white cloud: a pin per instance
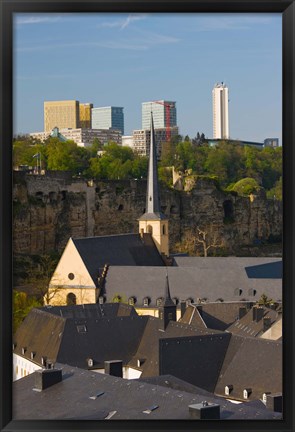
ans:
(123, 23)
(36, 19)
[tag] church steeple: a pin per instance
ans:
(152, 194)
(153, 221)
(167, 312)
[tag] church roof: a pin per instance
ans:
(117, 250)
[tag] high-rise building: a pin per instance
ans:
(142, 138)
(108, 118)
(85, 115)
(61, 114)
(160, 114)
(220, 111)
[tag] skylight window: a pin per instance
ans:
(81, 328)
(151, 409)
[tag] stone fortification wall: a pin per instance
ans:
(50, 209)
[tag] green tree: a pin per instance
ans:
(22, 304)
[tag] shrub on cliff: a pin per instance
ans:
(246, 186)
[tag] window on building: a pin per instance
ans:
(132, 301)
(159, 301)
(71, 299)
(146, 301)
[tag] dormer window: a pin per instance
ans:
(246, 393)
(132, 301)
(228, 389)
(175, 300)
(238, 292)
(189, 301)
(24, 349)
(160, 301)
(146, 301)
(32, 354)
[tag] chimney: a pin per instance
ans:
(266, 323)
(45, 378)
(204, 411)
(114, 368)
(257, 313)
(182, 308)
(242, 312)
(274, 402)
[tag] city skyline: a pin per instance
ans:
(127, 59)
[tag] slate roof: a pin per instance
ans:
(122, 250)
(220, 316)
(152, 337)
(73, 338)
(228, 282)
(69, 399)
(249, 327)
(251, 363)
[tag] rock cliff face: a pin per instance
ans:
(50, 209)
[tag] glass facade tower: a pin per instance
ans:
(108, 118)
(159, 114)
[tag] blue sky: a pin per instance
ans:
(126, 59)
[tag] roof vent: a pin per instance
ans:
(205, 411)
(228, 389)
(274, 402)
(114, 368)
(46, 378)
(246, 393)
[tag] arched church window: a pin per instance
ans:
(150, 229)
(71, 299)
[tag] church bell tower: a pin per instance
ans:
(153, 221)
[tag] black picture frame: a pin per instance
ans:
(7, 8)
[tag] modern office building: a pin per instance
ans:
(271, 142)
(220, 111)
(85, 115)
(108, 118)
(142, 139)
(82, 137)
(61, 114)
(161, 111)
